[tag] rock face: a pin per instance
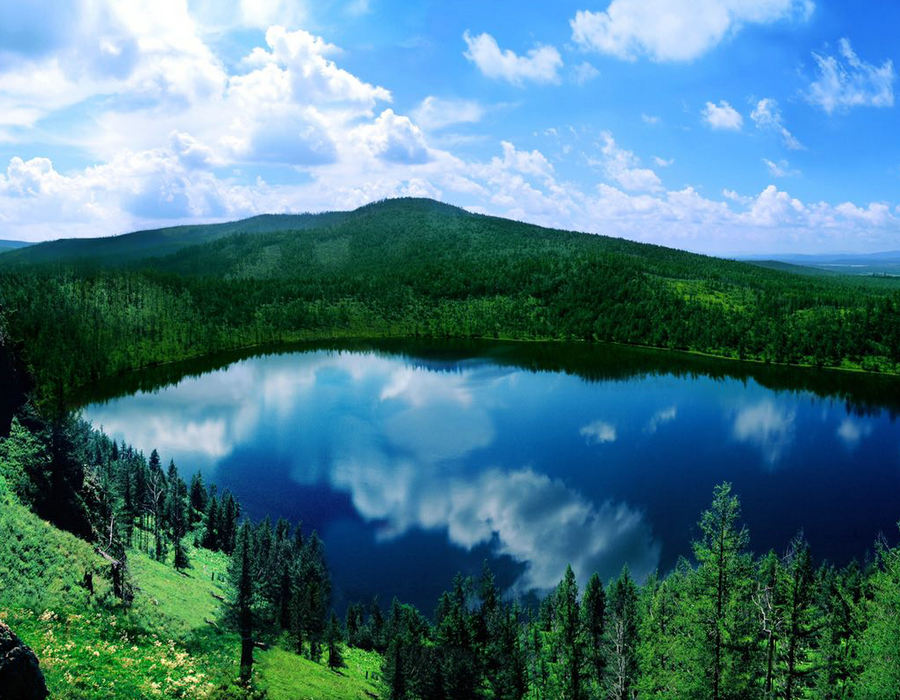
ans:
(20, 674)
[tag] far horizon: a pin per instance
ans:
(729, 129)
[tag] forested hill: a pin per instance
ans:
(116, 250)
(12, 245)
(419, 268)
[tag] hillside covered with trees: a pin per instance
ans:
(417, 268)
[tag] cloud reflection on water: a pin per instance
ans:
(767, 426)
(403, 442)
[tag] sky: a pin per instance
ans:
(728, 127)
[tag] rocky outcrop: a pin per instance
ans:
(20, 673)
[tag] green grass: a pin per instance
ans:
(88, 646)
(288, 676)
(188, 598)
(163, 646)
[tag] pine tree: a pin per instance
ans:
(211, 539)
(593, 613)
(228, 523)
(455, 635)
(244, 580)
(332, 640)
(800, 616)
(723, 596)
(198, 498)
(181, 558)
(569, 640)
(770, 609)
(622, 639)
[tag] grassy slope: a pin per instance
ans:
(163, 647)
(287, 676)
(87, 646)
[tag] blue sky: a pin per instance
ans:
(720, 126)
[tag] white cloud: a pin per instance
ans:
(780, 169)
(650, 119)
(663, 162)
(722, 116)
(301, 59)
(541, 65)
(395, 138)
(435, 113)
(622, 167)
(767, 116)
(848, 81)
(584, 72)
(675, 30)
(598, 432)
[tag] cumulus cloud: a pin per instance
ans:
(541, 65)
(846, 81)
(674, 30)
(623, 167)
(767, 117)
(722, 116)
(395, 138)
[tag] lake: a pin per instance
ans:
(415, 461)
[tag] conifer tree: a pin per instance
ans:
(332, 640)
(593, 613)
(800, 617)
(198, 498)
(211, 537)
(244, 582)
(723, 596)
(622, 639)
(569, 638)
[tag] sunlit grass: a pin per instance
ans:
(289, 676)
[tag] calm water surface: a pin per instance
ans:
(413, 469)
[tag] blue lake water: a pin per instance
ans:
(415, 466)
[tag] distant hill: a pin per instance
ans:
(792, 268)
(129, 247)
(884, 263)
(12, 245)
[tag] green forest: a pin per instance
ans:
(416, 268)
(128, 576)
